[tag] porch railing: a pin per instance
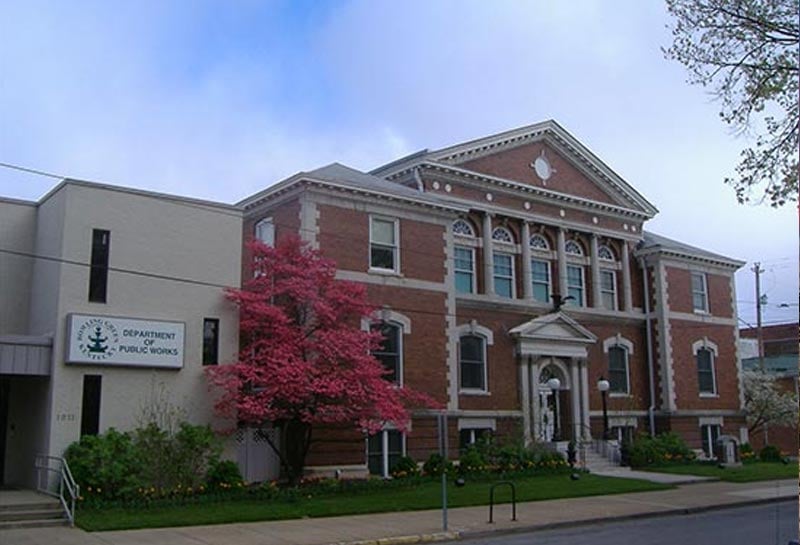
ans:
(54, 478)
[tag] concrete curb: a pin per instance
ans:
(475, 534)
(467, 535)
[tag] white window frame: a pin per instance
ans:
(702, 292)
(612, 292)
(706, 429)
(396, 247)
(512, 278)
(385, 449)
(543, 238)
(401, 331)
(711, 347)
(474, 329)
(260, 226)
(573, 244)
(627, 345)
(548, 283)
(471, 272)
(462, 221)
(582, 269)
(503, 235)
(484, 363)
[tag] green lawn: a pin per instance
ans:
(425, 495)
(757, 471)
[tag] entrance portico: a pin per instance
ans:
(554, 346)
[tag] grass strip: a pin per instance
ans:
(426, 495)
(751, 472)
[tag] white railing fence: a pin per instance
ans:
(54, 478)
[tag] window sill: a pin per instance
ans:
(619, 394)
(707, 395)
(701, 312)
(384, 272)
(474, 393)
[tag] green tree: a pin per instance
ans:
(747, 52)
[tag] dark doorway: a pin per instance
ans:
(5, 392)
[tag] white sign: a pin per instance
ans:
(105, 340)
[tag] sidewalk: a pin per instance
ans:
(418, 526)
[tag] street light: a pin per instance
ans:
(555, 385)
(603, 385)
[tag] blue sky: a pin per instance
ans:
(218, 100)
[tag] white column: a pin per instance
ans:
(524, 383)
(562, 263)
(527, 289)
(627, 297)
(488, 258)
(584, 366)
(596, 299)
(535, 416)
(385, 452)
(575, 397)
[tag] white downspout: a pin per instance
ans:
(649, 336)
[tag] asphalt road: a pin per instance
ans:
(770, 524)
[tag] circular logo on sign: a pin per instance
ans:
(98, 339)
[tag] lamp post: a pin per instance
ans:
(603, 385)
(555, 385)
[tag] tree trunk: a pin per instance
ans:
(296, 437)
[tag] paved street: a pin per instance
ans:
(771, 524)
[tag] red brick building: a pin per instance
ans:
(467, 249)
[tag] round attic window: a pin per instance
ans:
(542, 167)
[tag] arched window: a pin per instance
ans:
(619, 350)
(572, 247)
(538, 242)
(472, 362)
(463, 228)
(705, 352)
(605, 253)
(390, 351)
(501, 234)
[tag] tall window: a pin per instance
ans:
(472, 362)
(608, 289)
(504, 274)
(699, 292)
(265, 231)
(618, 370)
(210, 341)
(98, 275)
(709, 434)
(384, 450)
(575, 285)
(540, 280)
(390, 351)
(90, 408)
(383, 245)
(705, 371)
(465, 269)
(469, 436)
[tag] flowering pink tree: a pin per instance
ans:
(304, 359)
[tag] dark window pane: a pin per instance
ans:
(98, 274)
(381, 257)
(210, 341)
(471, 348)
(90, 409)
(618, 369)
(705, 371)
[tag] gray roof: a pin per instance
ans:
(652, 241)
(342, 175)
(784, 364)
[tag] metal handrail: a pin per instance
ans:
(66, 481)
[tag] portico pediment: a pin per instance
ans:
(554, 334)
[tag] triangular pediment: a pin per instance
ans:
(542, 156)
(556, 326)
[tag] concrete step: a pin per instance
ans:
(11, 507)
(43, 523)
(29, 513)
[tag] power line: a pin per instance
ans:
(32, 171)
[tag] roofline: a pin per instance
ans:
(12, 200)
(556, 195)
(302, 177)
(410, 157)
(134, 191)
(716, 260)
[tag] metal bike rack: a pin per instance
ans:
(513, 500)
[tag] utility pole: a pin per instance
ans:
(758, 270)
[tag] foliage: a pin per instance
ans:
(405, 467)
(471, 462)
(746, 453)
(662, 449)
(221, 473)
(748, 52)
(304, 359)
(435, 465)
(770, 453)
(765, 403)
(147, 462)
(105, 464)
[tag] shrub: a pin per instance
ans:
(471, 462)
(405, 467)
(770, 453)
(436, 465)
(746, 453)
(105, 465)
(223, 472)
(665, 448)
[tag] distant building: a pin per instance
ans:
(781, 361)
(498, 265)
